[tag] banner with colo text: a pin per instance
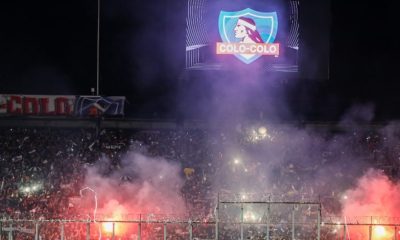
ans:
(60, 105)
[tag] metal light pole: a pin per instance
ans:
(88, 231)
(98, 50)
(319, 222)
(62, 231)
(113, 231)
(241, 221)
(36, 231)
(293, 229)
(165, 231)
(268, 220)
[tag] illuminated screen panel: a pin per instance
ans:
(221, 34)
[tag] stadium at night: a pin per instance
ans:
(198, 120)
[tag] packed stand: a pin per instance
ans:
(42, 169)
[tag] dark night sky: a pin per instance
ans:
(49, 47)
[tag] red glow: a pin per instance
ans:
(381, 233)
(375, 195)
(154, 191)
(118, 228)
(107, 227)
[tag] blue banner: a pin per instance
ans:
(99, 106)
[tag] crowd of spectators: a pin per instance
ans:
(42, 169)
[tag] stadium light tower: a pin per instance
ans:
(98, 50)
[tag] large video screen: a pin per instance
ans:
(226, 34)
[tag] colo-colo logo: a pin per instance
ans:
(248, 34)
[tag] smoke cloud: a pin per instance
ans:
(374, 195)
(313, 161)
(374, 199)
(140, 185)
